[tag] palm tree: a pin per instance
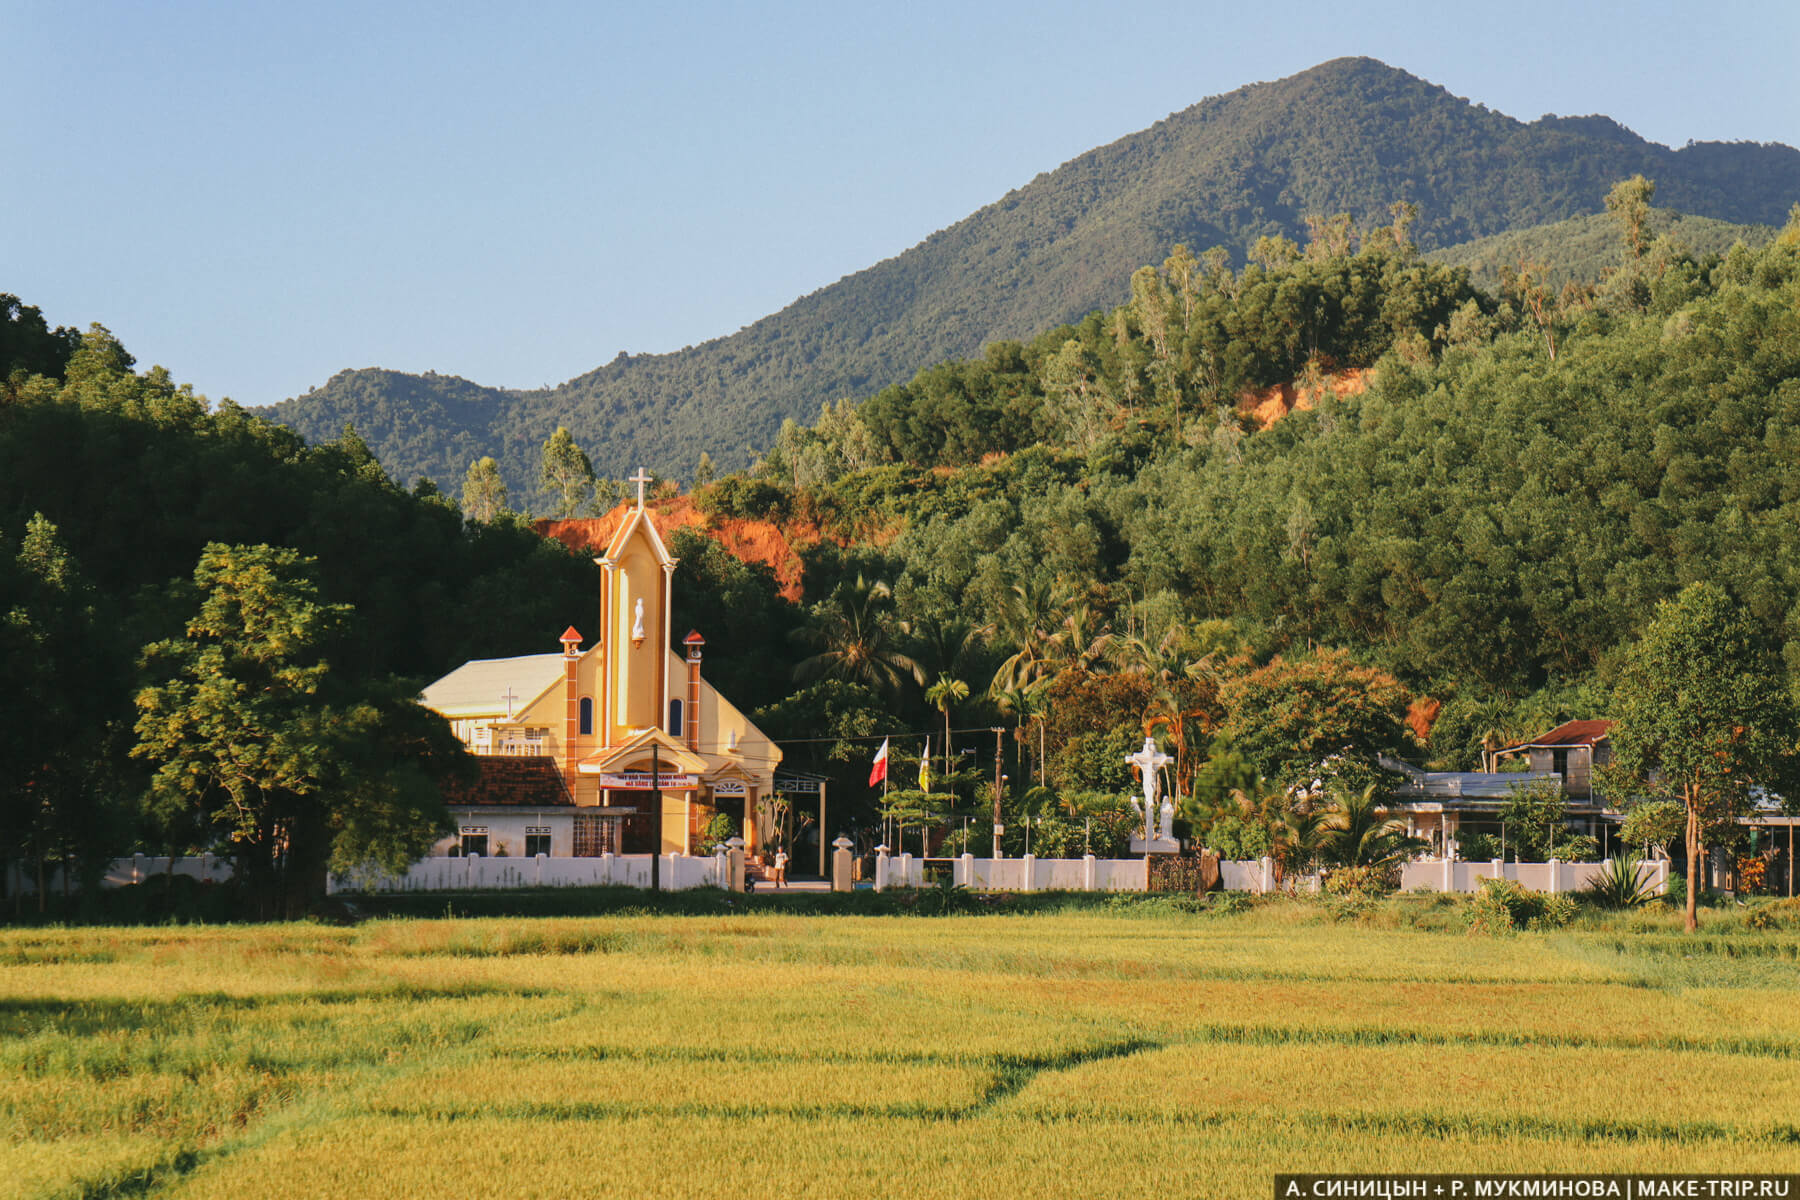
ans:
(1025, 706)
(1359, 834)
(1298, 839)
(852, 632)
(942, 694)
(1028, 623)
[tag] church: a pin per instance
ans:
(574, 746)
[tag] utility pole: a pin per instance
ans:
(998, 827)
(656, 819)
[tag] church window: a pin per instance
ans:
(587, 715)
(674, 718)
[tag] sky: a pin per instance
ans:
(258, 195)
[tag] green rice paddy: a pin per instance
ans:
(1121, 1052)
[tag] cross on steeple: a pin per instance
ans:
(641, 478)
(508, 696)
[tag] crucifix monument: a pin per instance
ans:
(1150, 761)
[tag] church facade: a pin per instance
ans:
(575, 746)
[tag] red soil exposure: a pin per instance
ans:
(1273, 403)
(753, 541)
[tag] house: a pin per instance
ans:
(1444, 806)
(1572, 750)
(579, 748)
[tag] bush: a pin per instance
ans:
(1365, 883)
(1478, 847)
(1619, 886)
(1504, 906)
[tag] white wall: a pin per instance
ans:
(679, 872)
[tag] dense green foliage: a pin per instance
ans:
(1349, 136)
(111, 485)
(1487, 524)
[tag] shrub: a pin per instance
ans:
(1503, 906)
(1619, 886)
(1478, 847)
(1364, 883)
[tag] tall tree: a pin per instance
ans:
(248, 722)
(484, 492)
(565, 473)
(1703, 714)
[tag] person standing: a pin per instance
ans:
(780, 876)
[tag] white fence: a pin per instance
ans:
(1452, 875)
(679, 872)
(1089, 874)
(1028, 874)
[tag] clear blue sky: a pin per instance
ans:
(259, 194)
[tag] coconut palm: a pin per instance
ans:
(942, 694)
(852, 632)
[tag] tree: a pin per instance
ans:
(946, 692)
(1629, 203)
(1321, 717)
(1358, 834)
(1537, 817)
(852, 633)
(1703, 715)
(565, 473)
(484, 492)
(249, 723)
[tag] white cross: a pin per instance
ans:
(508, 696)
(1149, 760)
(641, 478)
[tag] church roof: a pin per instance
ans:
(480, 687)
(639, 516)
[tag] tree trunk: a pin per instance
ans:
(1693, 857)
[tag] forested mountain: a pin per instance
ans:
(1350, 136)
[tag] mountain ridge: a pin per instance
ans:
(1351, 135)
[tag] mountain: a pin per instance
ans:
(1350, 136)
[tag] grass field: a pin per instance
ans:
(1131, 1051)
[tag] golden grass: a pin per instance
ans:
(1086, 1055)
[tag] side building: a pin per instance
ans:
(574, 746)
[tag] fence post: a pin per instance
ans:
(1555, 876)
(1087, 872)
(1030, 871)
(965, 867)
(1265, 882)
(881, 867)
(842, 865)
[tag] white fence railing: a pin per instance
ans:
(1092, 874)
(1453, 875)
(679, 872)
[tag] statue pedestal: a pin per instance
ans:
(1155, 846)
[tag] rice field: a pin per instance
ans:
(1127, 1052)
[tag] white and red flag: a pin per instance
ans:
(878, 770)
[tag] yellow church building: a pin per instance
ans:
(573, 745)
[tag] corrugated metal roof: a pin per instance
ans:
(1569, 733)
(480, 687)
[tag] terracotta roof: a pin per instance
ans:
(693, 639)
(571, 634)
(512, 782)
(1569, 733)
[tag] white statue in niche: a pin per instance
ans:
(637, 625)
(1168, 819)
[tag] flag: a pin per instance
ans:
(925, 768)
(878, 770)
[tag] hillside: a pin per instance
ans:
(1582, 248)
(1351, 135)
